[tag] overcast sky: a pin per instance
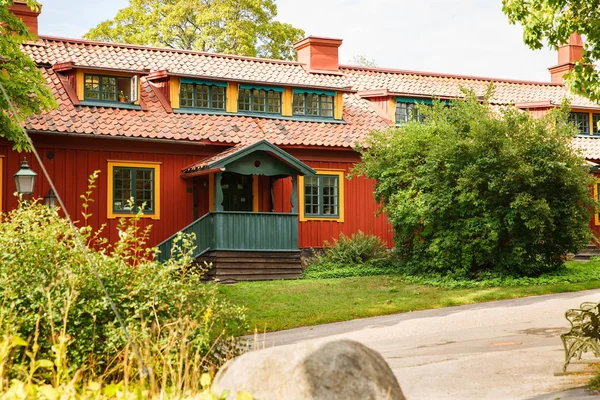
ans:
(470, 37)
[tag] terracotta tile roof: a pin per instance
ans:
(439, 85)
(157, 123)
(85, 53)
(206, 163)
(589, 147)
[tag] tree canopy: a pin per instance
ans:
(241, 27)
(472, 190)
(363, 61)
(24, 83)
(552, 22)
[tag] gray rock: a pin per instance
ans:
(324, 370)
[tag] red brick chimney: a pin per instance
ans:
(320, 54)
(29, 16)
(568, 54)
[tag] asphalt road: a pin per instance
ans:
(506, 349)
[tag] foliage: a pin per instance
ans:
(473, 189)
(50, 288)
(357, 255)
(20, 77)
(362, 60)
(304, 302)
(356, 249)
(244, 27)
(328, 270)
(553, 21)
(573, 272)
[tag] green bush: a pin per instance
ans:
(357, 255)
(49, 288)
(572, 272)
(359, 248)
(475, 189)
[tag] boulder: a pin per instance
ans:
(323, 370)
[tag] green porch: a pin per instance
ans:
(241, 241)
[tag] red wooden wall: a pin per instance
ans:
(76, 158)
(360, 207)
(73, 159)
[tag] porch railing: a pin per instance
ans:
(241, 231)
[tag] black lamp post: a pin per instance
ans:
(50, 199)
(25, 178)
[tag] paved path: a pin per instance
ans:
(506, 349)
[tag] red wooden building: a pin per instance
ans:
(251, 155)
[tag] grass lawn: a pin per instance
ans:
(276, 305)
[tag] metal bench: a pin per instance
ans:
(584, 335)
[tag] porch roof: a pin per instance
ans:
(220, 161)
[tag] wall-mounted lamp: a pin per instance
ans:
(50, 199)
(25, 178)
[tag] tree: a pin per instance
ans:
(363, 61)
(242, 27)
(472, 190)
(553, 21)
(24, 83)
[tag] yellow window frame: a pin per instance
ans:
(323, 171)
(133, 164)
(596, 193)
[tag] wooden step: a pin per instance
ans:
(234, 266)
(586, 254)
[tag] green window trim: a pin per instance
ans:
(101, 86)
(256, 100)
(203, 82)
(139, 184)
(323, 105)
(202, 96)
(582, 121)
(259, 87)
(109, 89)
(413, 100)
(311, 91)
(407, 112)
(322, 196)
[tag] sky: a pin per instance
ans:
(467, 37)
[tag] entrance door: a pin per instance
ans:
(237, 192)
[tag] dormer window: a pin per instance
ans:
(313, 103)
(202, 94)
(407, 110)
(260, 99)
(106, 88)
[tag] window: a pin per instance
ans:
(110, 88)
(322, 196)
(133, 185)
(262, 100)
(406, 112)
(582, 121)
(313, 104)
(595, 121)
(209, 96)
(597, 198)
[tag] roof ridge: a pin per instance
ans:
(447, 75)
(166, 49)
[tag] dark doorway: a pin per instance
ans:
(237, 192)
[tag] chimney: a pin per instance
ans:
(29, 16)
(319, 54)
(568, 54)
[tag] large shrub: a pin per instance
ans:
(49, 288)
(475, 188)
(359, 254)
